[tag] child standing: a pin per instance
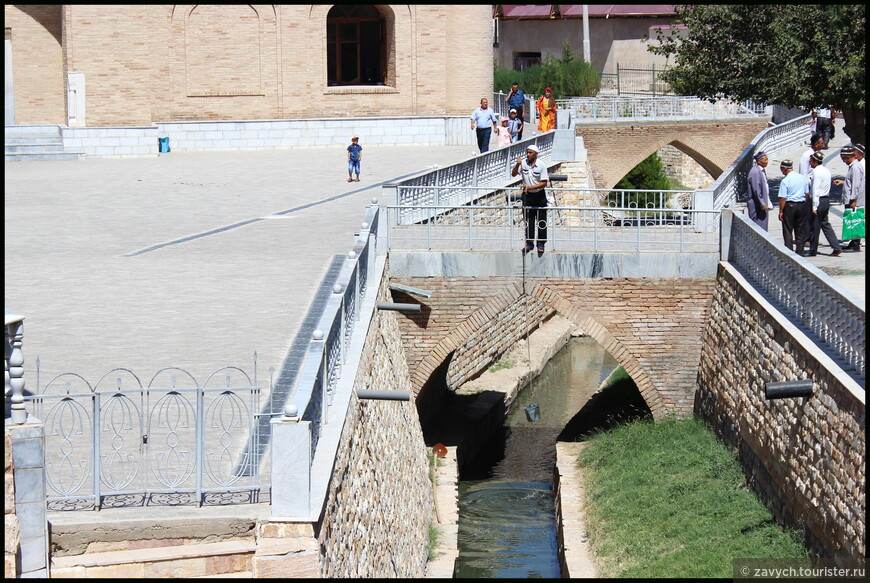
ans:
(354, 157)
(515, 126)
(504, 134)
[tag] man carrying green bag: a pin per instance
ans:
(853, 192)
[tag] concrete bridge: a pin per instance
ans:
(343, 464)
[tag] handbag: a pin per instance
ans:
(853, 224)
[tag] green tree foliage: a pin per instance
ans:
(648, 175)
(795, 55)
(568, 76)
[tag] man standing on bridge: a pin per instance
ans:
(794, 191)
(535, 178)
(853, 188)
(759, 195)
(820, 186)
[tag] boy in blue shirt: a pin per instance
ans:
(354, 157)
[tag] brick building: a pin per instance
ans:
(89, 65)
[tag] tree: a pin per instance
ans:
(794, 55)
(569, 76)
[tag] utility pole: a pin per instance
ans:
(586, 56)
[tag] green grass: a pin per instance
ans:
(667, 499)
(503, 364)
(434, 537)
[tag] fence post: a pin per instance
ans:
(291, 466)
(618, 82)
(14, 338)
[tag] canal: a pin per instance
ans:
(507, 525)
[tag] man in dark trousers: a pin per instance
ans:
(794, 192)
(820, 188)
(535, 179)
(759, 195)
(516, 99)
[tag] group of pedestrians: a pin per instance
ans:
(804, 196)
(485, 121)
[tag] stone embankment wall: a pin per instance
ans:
(380, 502)
(682, 167)
(805, 457)
(11, 524)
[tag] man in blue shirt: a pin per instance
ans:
(794, 191)
(516, 99)
(484, 120)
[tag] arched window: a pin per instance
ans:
(355, 45)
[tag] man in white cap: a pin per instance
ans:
(820, 188)
(535, 179)
(759, 194)
(853, 189)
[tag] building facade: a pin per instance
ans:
(89, 65)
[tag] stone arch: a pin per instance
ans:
(553, 302)
(599, 332)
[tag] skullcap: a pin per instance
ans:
(786, 164)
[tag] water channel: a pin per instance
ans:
(507, 524)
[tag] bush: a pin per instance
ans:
(568, 76)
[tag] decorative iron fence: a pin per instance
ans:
(172, 441)
(800, 290)
(730, 187)
(625, 108)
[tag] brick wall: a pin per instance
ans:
(652, 326)
(636, 142)
(150, 63)
(805, 457)
(683, 168)
(37, 63)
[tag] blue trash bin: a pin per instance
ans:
(164, 144)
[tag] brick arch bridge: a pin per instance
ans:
(651, 326)
(614, 148)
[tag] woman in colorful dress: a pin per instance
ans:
(546, 107)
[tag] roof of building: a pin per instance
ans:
(529, 11)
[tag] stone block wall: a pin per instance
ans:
(380, 502)
(804, 457)
(11, 525)
(682, 167)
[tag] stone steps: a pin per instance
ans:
(221, 559)
(36, 143)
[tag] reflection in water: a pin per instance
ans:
(507, 524)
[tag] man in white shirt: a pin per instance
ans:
(820, 187)
(817, 142)
(535, 179)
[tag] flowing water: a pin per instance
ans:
(507, 525)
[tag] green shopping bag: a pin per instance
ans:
(853, 224)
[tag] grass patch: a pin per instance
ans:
(434, 538)
(667, 499)
(503, 363)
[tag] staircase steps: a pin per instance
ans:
(36, 143)
(203, 560)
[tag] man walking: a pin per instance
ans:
(820, 187)
(759, 195)
(793, 193)
(824, 125)
(516, 99)
(535, 179)
(484, 120)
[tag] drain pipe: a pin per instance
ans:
(383, 395)
(399, 307)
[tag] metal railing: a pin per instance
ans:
(634, 80)
(121, 443)
(730, 187)
(327, 350)
(669, 107)
(800, 290)
(490, 169)
(569, 228)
